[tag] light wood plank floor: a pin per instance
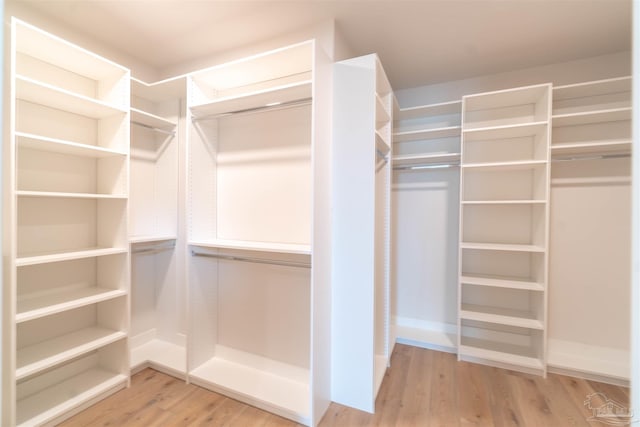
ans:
(422, 388)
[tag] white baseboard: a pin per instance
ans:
(426, 334)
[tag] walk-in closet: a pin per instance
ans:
(307, 223)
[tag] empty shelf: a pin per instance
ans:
(500, 352)
(425, 159)
(44, 406)
(502, 247)
(44, 94)
(502, 316)
(416, 135)
(44, 258)
(592, 88)
(263, 98)
(59, 194)
(504, 202)
(33, 307)
(608, 147)
(44, 355)
(151, 120)
(151, 238)
(573, 119)
(513, 165)
(505, 132)
(284, 395)
(38, 142)
(501, 282)
(161, 353)
(284, 248)
(440, 109)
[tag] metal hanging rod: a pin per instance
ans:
(160, 130)
(275, 106)
(427, 166)
(252, 260)
(592, 157)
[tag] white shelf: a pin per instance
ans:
(599, 116)
(151, 120)
(608, 147)
(505, 132)
(283, 248)
(51, 49)
(512, 165)
(51, 96)
(48, 257)
(440, 109)
(500, 352)
(504, 202)
(592, 88)
(381, 142)
(505, 98)
(382, 115)
(48, 404)
(161, 353)
(58, 194)
(151, 238)
(500, 316)
(284, 395)
(43, 143)
(501, 282)
(263, 98)
(502, 247)
(36, 306)
(419, 159)
(46, 354)
(417, 135)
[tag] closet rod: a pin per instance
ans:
(427, 166)
(275, 106)
(252, 260)
(591, 157)
(167, 132)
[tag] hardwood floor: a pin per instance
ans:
(422, 388)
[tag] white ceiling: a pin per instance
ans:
(419, 42)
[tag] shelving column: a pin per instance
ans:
(504, 228)
(67, 282)
(257, 157)
(158, 297)
(362, 338)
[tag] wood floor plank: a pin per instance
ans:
(444, 404)
(474, 405)
(423, 388)
(416, 394)
(504, 406)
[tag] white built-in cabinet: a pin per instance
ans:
(257, 162)
(504, 196)
(66, 281)
(362, 336)
(158, 300)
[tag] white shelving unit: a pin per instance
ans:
(362, 338)
(158, 301)
(504, 228)
(257, 164)
(66, 288)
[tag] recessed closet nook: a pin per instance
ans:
(268, 227)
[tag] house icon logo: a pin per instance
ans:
(607, 411)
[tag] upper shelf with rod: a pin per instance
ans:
(252, 84)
